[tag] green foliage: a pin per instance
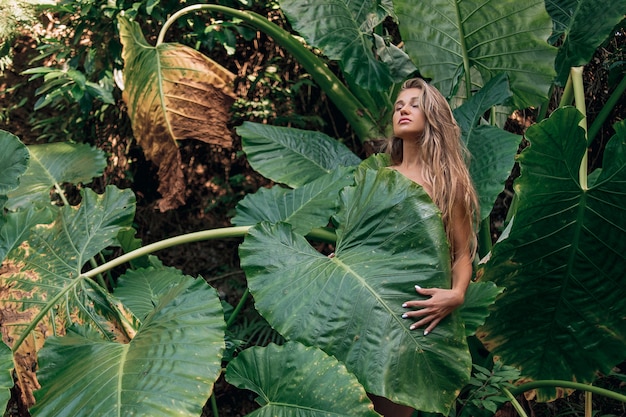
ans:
(16, 14)
(580, 39)
(573, 257)
(159, 372)
(474, 30)
(6, 377)
(545, 284)
(55, 163)
(390, 237)
(484, 393)
(321, 381)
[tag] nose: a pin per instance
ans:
(404, 109)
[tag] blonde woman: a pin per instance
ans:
(426, 148)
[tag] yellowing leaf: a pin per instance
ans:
(173, 92)
(42, 290)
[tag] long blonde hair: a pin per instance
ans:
(444, 160)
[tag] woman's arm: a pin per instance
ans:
(431, 311)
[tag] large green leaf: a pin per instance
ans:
(478, 298)
(304, 208)
(13, 161)
(342, 30)
(579, 38)
(6, 375)
(350, 305)
(446, 39)
(141, 289)
(42, 289)
(292, 156)
(563, 262)
(298, 381)
(167, 369)
(55, 163)
(492, 149)
(173, 92)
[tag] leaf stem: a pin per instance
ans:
(214, 406)
(579, 98)
(568, 93)
(222, 233)
(238, 308)
(322, 234)
(61, 194)
(550, 383)
(606, 110)
(466, 63)
(588, 404)
(518, 407)
(355, 112)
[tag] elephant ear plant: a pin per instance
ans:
(151, 341)
(154, 345)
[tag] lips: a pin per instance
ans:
(404, 120)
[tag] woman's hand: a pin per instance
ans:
(431, 311)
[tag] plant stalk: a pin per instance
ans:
(588, 404)
(466, 63)
(579, 97)
(322, 234)
(568, 93)
(606, 110)
(518, 407)
(222, 233)
(238, 308)
(550, 383)
(356, 114)
(214, 406)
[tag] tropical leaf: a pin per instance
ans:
(350, 305)
(167, 369)
(492, 149)
(42, 290)
(18, 225)
(342, 30)
(295, 380)
(140, 290)
(304, 208)
(55, 163)
(397, 60)
(580, 40)
(493, 36)
(173, 92)
(13, 161)
(292, 156)
(478, 298)
(6, 375)
(563, 261)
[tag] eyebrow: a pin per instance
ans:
(411, 100)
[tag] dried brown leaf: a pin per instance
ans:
(173, 92)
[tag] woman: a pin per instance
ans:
(427, 149)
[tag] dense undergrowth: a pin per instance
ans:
(273, 88)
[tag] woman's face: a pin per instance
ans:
(409, 120)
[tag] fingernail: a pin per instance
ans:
(425, 332)
(404, 316)
(412, 327)
(417, 287)
(404, 305)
